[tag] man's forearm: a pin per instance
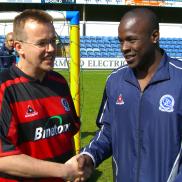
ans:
(26, 166)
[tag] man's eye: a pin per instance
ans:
(132, 40)
(42, 44)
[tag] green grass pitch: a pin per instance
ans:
(91, 89)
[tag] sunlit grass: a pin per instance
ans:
(91, 89)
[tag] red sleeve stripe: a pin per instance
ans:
(7, 84)
(15, 152)
(7, 180)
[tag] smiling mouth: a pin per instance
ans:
(129, 57)
(51, 58)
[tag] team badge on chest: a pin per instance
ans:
(166, 103)
(65, 104)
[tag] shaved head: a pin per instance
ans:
(144, 15)
(138, 33)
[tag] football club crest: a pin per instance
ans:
(120, 100)
(166, 103)
(65, 104)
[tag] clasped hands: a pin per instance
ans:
(80, 168)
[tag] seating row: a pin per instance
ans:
(109, 46)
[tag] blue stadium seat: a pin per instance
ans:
(98, 37)
(97, 54)
(1, 40)
(101, 46)
(93, 41)
(108, 45)
(2, 37)
(87, 41)
(104, 54)
(83, 50)
(88, 45)
(90, 54)
(83, 54)
(95, 45)
(100, 41)
(92, 38)
(102, 49)
(82, 41)
(65, 39)
(114, 45)
(82, 45)
(96, 49)
(172, 54)
(117, 50)
(179, 55)
(111, 54)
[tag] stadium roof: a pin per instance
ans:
(97, 12)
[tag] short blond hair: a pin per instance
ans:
(29, 14)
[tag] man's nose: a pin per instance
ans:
(125, 46)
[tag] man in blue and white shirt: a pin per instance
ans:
(141, 113)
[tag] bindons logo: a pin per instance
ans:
(54, 126)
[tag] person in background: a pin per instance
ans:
(141, 114)
(37, 115)
(7, 52)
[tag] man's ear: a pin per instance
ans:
(18, 47)
(155, 36)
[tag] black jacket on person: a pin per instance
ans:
(7, 57)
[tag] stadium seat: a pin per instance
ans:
(114, 45)
(100, 41)
(95, 45)
(111, 54)
(109, 46)
(88, 45)
(97, 54)
(172, 54)
(82, 41)
(1, 40)
(90, 54)
(98, 37)
(2, 37)
(83, 54)
(83, 50)
(104, 54)
(93, 41)
(179, 55)
(82, 45)
(87, 41)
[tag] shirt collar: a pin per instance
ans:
(22, 74)
(161, 74)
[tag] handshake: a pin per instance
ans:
(79, 168)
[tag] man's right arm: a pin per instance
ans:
(25, 166)
(100, 148)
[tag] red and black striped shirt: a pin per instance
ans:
(36, 118)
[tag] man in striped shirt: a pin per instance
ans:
(37, 114)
